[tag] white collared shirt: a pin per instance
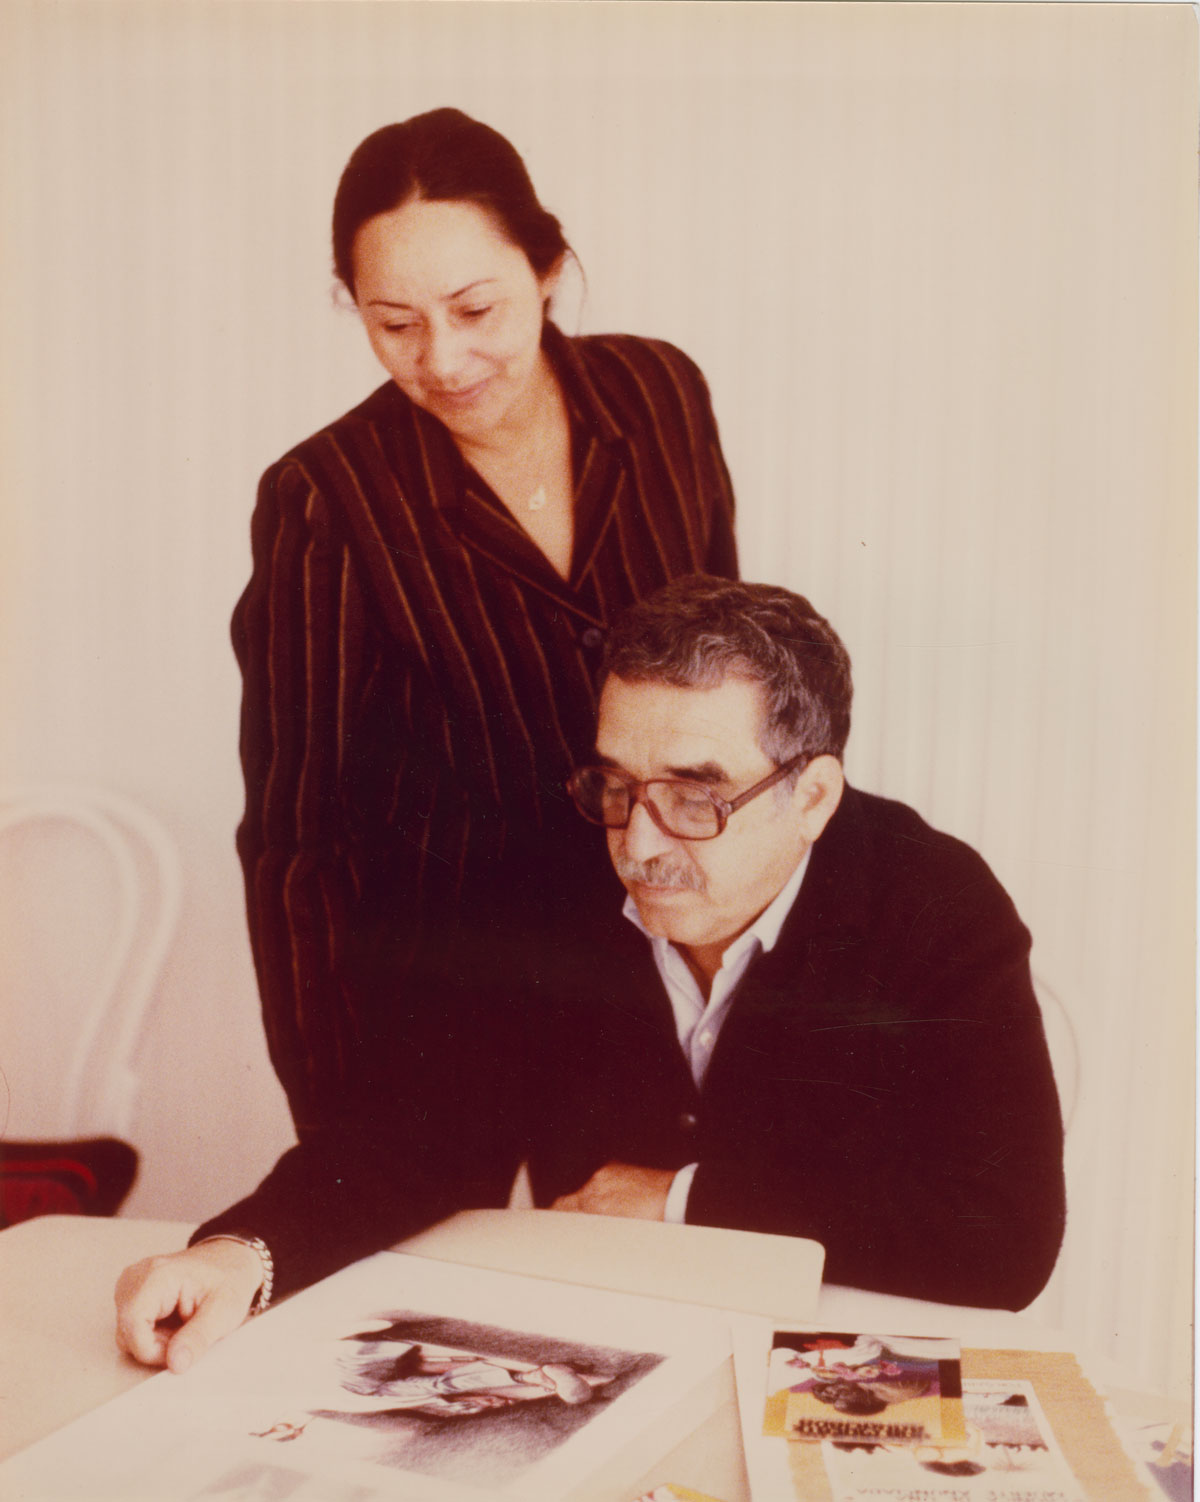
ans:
(698, 1023)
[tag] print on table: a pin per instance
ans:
(828, 1385)
(1009, 1455)
(454, 1399)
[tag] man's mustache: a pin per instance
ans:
(659, 872)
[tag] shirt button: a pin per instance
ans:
(593, 637)
(688, 1122)
(706, 1038)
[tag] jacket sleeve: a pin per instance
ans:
(722, 559)
(350, 823)
(684, 404)
(430, 1130)
(908, 1120)
(307, 661)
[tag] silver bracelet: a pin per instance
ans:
(262, 1299)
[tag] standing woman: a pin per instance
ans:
(433, 578)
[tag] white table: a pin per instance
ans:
(58, 1357)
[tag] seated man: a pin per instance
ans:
(815, 1017)
(820, 1007)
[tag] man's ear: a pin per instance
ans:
(818, 792)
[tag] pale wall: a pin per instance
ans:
(939, 266)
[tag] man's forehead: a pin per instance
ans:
(680, 726)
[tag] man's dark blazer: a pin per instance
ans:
(881, 1084)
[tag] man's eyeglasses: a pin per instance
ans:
(683, 810)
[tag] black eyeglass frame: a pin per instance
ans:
(635, 789)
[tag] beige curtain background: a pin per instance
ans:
(939, 265)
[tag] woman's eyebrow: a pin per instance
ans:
(385, 302)
(484, 281)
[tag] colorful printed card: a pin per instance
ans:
(871, 1389)
(1009, 1455)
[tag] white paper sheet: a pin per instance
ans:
(766, 1459)
(376, 1383)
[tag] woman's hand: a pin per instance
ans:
(171, 1309)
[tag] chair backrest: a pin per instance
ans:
(90, 889)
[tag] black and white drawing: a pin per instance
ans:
(454, 1398)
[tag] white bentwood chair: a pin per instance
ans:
(90, 892)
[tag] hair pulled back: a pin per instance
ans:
(441, 155)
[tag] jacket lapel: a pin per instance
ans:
(479, 519)
(829, 916)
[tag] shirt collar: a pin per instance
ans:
(765, 929)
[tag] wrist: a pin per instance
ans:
(260, 1299)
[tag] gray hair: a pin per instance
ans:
(698, 631)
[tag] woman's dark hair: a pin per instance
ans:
(441, 155)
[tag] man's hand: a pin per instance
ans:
(621, 1189)
(171, 1309)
